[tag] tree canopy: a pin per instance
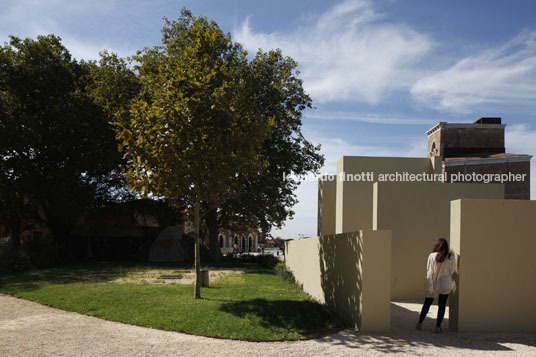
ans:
(57, 149)
(266, 199)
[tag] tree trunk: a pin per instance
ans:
(212, 224)
(197, 292)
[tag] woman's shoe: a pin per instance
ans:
(438, 329)
(419, 326)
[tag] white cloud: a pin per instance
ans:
(505, 75)
(88, 51)
(370, 118)
(30, 18)
(347, 53)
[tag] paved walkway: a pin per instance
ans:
(30, 329)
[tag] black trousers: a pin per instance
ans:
(441, 302)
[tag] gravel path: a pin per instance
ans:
(31, 329)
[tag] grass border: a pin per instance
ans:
(308, 337)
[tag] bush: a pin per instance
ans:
(42, 251)
(11, 258)
(264, 261)
(282, 271)
(33, 253)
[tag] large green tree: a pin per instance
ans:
(196, 131)
(266, 199)
(58, 152)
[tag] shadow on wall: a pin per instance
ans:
(319, 213)
(340, 263)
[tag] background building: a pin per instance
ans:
(479, 148)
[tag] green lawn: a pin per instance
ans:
(253, 305)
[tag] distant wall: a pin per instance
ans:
(355, 198)
(327, 198)
(349, 272)
(418, 214)
(516, 190)
(494, 241)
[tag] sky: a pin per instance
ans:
(380, 72)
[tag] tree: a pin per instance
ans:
(58, 152)
(266, 199)
(196, 132)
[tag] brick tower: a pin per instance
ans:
(478, 148)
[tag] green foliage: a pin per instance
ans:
(113, 85)
(267, 261)
(266, 198)
(196, 128)
(58, 153)
(254, 305)
(33, 253)
(12, 259)
(281, 270)
(43, 252)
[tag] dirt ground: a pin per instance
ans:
(31, 329)
(186, 277)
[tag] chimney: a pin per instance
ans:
(487, 120)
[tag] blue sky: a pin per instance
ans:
(380, 72)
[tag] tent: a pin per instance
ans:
(171, 245)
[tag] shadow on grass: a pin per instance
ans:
(305, 317)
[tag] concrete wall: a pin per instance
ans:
(302, 258)
(418, 214)
(349, 272)
(355, 198)
(494, 241)
(327, 198)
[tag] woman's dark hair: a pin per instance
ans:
(442, 250)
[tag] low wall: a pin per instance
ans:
(418, 214)
(494, 241)
(349, 272)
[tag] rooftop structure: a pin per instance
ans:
(478, 148)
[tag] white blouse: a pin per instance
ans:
(438, 275)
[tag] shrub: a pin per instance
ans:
(282, 271)
(264, 261)
(33, 253)
(11, 258)
(42, 251)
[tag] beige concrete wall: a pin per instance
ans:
(418, 214)
(355, 199)
(349, 272)
(376, 277)
(302, 258)
(327, 198)
(494, 241)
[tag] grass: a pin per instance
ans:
(254, 305)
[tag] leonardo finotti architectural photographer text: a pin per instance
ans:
(413, 177)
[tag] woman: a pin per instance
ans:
(439, 269)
